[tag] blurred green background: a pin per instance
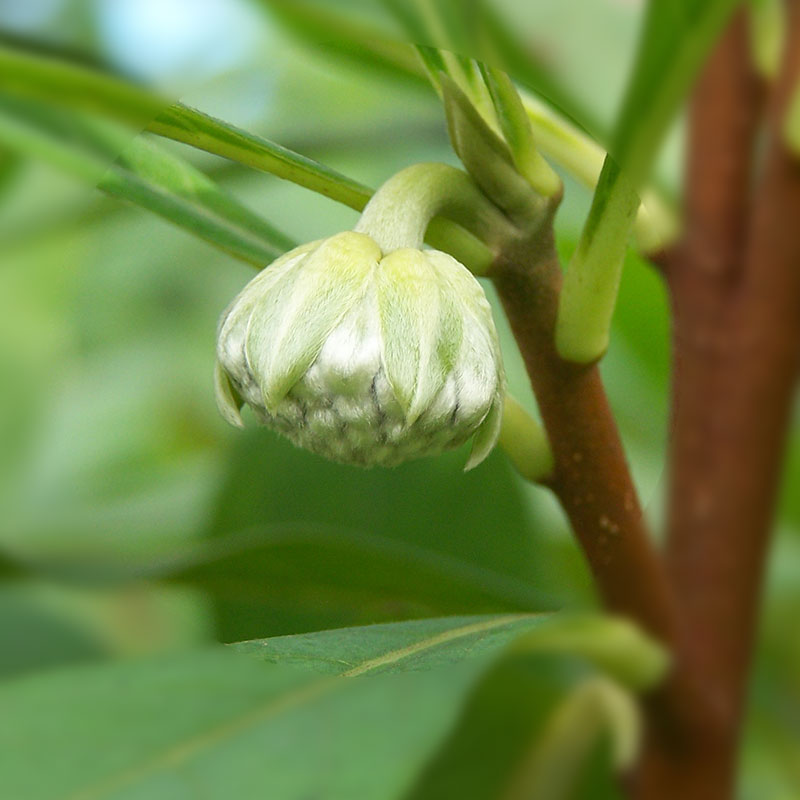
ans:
(176, 529)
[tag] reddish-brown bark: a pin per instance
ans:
(591, 476)
(735, 288)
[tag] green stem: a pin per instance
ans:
(399, 213)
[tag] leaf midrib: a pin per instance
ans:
(180, 752)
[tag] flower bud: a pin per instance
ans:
(364, 358)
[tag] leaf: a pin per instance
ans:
(299, 725)
(9, 165)
(367, 45)
(299, 576)
(304, 544)
(397, 646)
(610, 644)
(673, 44)
(144, 175)
(674, 41)
(242, 728)
(11, 567)
(207, 133)
(35, 635)
(65, 85)
(591, 285)
(69, 86)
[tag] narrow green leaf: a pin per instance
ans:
(143, 175)
(70, 86)
(150, 162)
(589, 294)
(65, 85)
(673, 44)
(207, 133)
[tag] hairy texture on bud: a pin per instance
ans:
(364, 358)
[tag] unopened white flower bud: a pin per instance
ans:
(364, 357)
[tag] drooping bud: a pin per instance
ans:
(364, 357)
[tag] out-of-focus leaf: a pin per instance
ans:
(64, 84)
(791, 127)
(9, 162)
(10, 567)
(421, 544)
(673, 44)
(142, 174)
(33, 636)
(500, 45)
(72, 85)
(69, 86)
(361, 42)
(503, 719)
(301, 576)
(241, 728)
(767, 35)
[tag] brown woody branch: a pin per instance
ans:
(735, 287)
(591, 477)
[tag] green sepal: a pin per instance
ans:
(229, 402)
(486, 436)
